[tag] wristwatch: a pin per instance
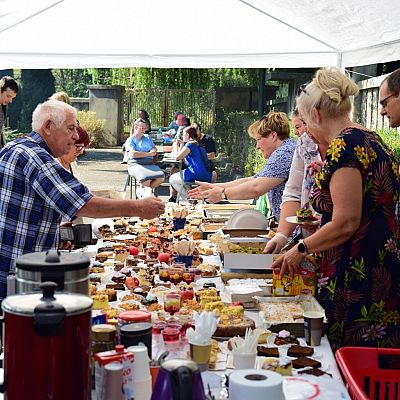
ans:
(223, 195)
(301, 247)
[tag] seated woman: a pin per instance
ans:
(271, 133)
(196, 160)
(141, 160)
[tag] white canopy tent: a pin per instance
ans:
(198, 34)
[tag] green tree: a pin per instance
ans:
(72, 81)
(37, 85)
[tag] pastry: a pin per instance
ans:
(300, 351)
(230, 326)
(314, 371)
(282, 367)
(267, 351)
(111, 293)
(302, 362)
(305, 215)
(284, 337)
(100, 301)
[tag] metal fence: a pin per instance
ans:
(161, 104)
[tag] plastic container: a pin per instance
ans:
(135, 333)
(370, 373)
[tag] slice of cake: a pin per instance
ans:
(284, 337)
(300, 351)
(281, 367)
(303, 362)
(100, 301)
(314, 371)
(305, 215)
(267, 351)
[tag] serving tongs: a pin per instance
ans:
(292, 242)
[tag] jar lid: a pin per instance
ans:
(25, 304)
(136, 328)
(103, 332)
(54, 259)
(134, 316)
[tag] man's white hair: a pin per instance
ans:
(53, 110)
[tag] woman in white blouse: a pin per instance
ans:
(298, 186)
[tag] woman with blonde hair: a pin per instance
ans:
(356, 192)
(141, 166)
(61, 96)
(271, 133)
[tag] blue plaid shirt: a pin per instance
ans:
(35, 193)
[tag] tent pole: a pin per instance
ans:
(339, 62)
(261, 92)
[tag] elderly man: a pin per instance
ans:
(36, 191)
(8, 91)
(389, 96)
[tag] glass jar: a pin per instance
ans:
(172, 302)
(171, 334)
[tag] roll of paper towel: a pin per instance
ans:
(255, 384)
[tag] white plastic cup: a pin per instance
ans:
(141, 368)
(142, 389)
(244, 360)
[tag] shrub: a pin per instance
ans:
(392, 139)
(100, 137)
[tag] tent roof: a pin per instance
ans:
(198, 34)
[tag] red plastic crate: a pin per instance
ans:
(370, 373)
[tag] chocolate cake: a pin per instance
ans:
(267, 351)
(300, 351)
(279, 341)
(303, 362)
(314, 371)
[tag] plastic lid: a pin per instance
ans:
(136, 328)
(53, 259)
(103, 332)
(135, 316)
(171, 365)
(25, 304)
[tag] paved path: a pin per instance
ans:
(101, 169)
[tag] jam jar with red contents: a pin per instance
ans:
(163, 274)
(171, 334)
(188, 276)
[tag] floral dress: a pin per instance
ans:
(359, 285)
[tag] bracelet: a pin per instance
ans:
(282, 235)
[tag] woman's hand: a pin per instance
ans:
(289, 262)
(198, 191)
(275, 244)
(313, 227)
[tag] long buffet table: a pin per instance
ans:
(214, 378)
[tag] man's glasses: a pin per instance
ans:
(79, 147)
(383, 102)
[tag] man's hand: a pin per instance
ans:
(275, 244)
(198, 192)
(150, 207)
(66, 245)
